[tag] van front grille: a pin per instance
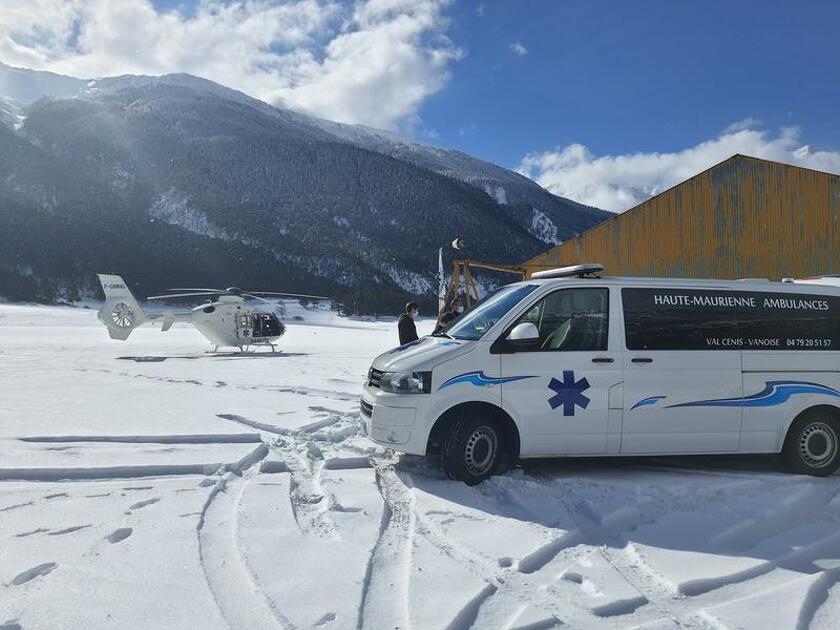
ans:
(366, 408)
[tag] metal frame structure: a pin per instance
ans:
(461, 272)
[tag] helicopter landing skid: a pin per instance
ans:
(248, 349)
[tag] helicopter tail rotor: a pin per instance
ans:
(121, 313)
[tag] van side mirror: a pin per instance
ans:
(523, 336)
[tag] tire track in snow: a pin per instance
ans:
(803, 507)
(658, 597)
(816, 597)
(606, 535)
(106, 472)
(326, 394)
(206, 438)
(385, 593)
(507, 592)
(302, 457)
(689, 607)
(733, 582)
(310, 504)
(254, 424)
(232, 585)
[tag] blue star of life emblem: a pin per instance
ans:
(569, 393)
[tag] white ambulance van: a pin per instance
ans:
(574, 364)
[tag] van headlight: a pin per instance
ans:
(406, 382)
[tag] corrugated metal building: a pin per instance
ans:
(744, 217)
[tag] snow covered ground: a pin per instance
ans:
(148, 484)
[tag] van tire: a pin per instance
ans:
(812, 445)
(472, 449)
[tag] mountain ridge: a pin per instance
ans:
(178, 161)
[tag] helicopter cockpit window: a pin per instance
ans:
(267, 325)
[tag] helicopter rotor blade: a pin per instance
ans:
(195, 289)
(177, 295)
(257, 297)
(298, 295)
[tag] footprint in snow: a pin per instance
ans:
(142, 504)
(330, 616)
(119, 535)
(34, 572)
(16, 506)
(575, 578)
(68, 530)
(40, 530)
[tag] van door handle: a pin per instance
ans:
(642, 360)
(603, 360)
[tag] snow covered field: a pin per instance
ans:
(148, 484)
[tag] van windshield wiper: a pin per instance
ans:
(441, 334)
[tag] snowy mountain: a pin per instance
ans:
(20, 87)
(175, 179)
(27, 86)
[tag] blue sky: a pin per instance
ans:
(636, 76)
(602, 102)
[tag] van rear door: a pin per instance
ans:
(682, 371)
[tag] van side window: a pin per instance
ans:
(790, 321)
(709, 319)
(571, 320)
(679, 319)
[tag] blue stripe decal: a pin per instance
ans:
(646, 402)
(774, 393)
(480, 379)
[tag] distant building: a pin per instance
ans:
(743, 218)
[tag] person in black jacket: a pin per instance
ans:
(406, 325)
(456, 307)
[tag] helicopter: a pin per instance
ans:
(224, 319)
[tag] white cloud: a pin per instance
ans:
(518, 49)
(372, 62)
(739, 125)
(619, 182)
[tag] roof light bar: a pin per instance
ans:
(581, 271)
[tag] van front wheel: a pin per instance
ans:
(812, 446)
(472, 450)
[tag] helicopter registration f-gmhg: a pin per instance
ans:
(225, 319)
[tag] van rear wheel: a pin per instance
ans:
(812, 446)
(472, 450)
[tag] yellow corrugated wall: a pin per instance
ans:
(743, 218)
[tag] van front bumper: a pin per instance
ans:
(394, 420)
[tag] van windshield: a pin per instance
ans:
(472, 325)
